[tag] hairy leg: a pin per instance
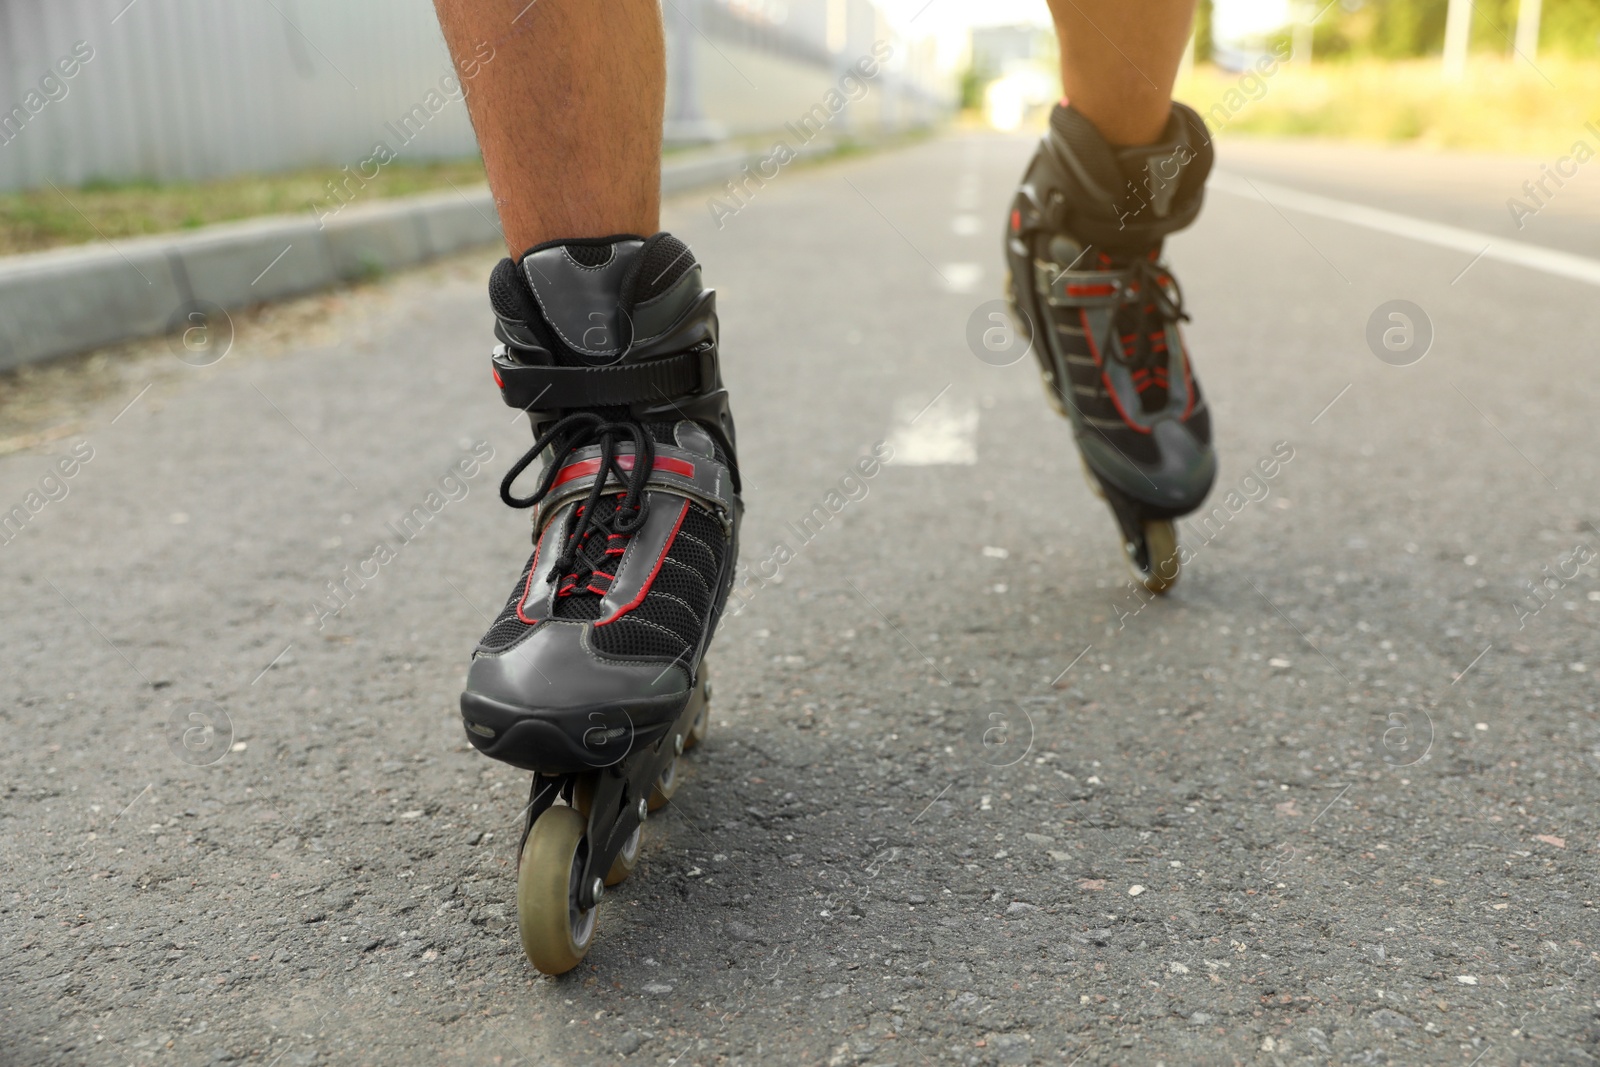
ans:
(1119, 59)
(566, 97)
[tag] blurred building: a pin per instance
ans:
(996, 49)
(1017, 67)
(735, 65)
(191, 89)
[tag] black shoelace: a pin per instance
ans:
(574, 566)
(1144, 285)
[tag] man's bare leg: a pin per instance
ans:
(1119, 60)
(567, 108)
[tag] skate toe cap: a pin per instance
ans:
(555, 669)
(1175, 484)
(1188, 466)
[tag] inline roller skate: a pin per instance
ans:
(1088, 286)
(593, 676)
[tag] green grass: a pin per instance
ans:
(1501, 105)
(44, 218)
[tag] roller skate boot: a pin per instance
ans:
(593, 676)
(1088, 285)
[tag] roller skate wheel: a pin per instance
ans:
(556, 934)
(626, 860)
(1161, 550)
(700, 703)
(700, 726)
(665, 786)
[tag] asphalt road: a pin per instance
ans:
(966, 798)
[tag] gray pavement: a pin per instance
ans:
(966, 798)
(1472, 190)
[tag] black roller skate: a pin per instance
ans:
(593, 676)
(1083, 244)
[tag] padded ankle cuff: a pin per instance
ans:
(1123, 200)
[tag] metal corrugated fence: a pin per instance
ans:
(187, 89)
(197, 88)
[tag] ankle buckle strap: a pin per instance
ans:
(541, 388)
(1142, 282)
(1091, 289)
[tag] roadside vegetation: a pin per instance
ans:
(35, 219)
(1503, 105)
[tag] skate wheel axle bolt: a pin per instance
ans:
(644, 809)
(599, 889)
(677, 744)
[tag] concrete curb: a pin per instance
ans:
(70, 300)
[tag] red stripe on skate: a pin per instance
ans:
(1094, 350)
(1088, 335)
(648, 582)
(533, 568)
(587, 467)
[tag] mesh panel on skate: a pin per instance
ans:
(589, 255)
(665, 625)
(578, 608)
(509, 295)
(686, 577)
(685, 583)
(671, 614)
(508, 629)
(700, 544)
(629, 636)
(663, 260)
